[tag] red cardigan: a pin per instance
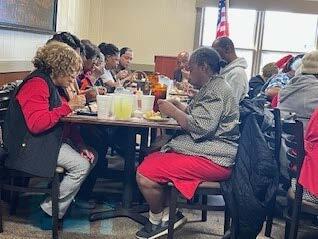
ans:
(309, 171)
(33, 97)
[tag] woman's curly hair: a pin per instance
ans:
(58, 59)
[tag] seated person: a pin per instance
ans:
(279, 81)
(122, 71)
(111, 54)
(91, 71)
(300, 95)
(180, 73)
(204, 151)
(35, 140)
(75, 43)
(256, 83)
(70, 40)
(234, 72)
(308, 175)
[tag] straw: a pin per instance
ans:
(96, 89)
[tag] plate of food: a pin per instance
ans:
(178, 92)
(155, 116)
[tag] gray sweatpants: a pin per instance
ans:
(77, 168)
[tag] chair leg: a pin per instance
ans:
(269, 219)
(204, 212)
(14, 200)
(287, 223)
(227, 219)
(55, 205)
(296, 212)
(172, 211)
(1, 226)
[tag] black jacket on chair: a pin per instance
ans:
(251, 188)
(27, 152)
(255, 86)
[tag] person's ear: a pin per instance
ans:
(204, 67)
(227, 50)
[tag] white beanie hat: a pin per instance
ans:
(310, 63)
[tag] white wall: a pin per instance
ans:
(149, 27)
(17, 49)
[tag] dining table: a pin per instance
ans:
(132, 126)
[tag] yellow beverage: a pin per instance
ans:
(123, 107)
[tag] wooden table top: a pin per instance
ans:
(134, 122)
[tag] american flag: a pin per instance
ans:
(222, 28)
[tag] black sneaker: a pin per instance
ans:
(151, 231)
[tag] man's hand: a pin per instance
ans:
(122, 74)
(88, 155)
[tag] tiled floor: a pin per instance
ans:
(25, 225)
(76, 225)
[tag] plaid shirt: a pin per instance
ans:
(213, 117)
(280, 80)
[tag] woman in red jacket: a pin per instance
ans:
(35, 139)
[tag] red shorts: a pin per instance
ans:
(186, 172)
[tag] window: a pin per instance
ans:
(242, 35)
(284, 33)
(290, 32)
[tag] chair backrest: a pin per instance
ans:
(294, 140)
(273, 135)
(4, 104)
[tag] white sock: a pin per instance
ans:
(155, 218)
(165, 216)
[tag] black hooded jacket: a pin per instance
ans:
(251, 188)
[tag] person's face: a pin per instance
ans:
(111, 62)
(222, 52)
(100, 62)
(89, 64)
(126, 59)
(183, 63)
(196, 73)
(65, 81)
(182, 60)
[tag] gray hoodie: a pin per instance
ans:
(299, 96)
(235, 75)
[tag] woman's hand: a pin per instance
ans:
(172, 111)
(77, 102)
(90, 94)
(87, 154)
(166, 107)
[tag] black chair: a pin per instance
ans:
(17, 181)
(273, 138)
(294, 140)
(204, 189)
